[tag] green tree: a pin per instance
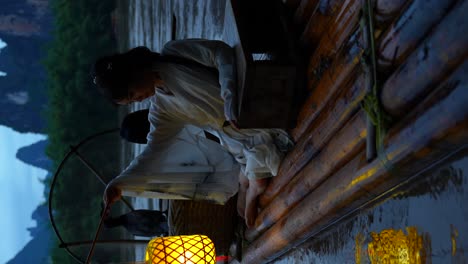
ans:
(83, 32)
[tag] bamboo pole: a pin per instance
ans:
(341, 28)
(345, 144)
(89, 242)
(329, 44)
(370, 72)
(292, 5)
(396, 45)
(96, 235)
(439, 54)
(320, 130)
(98, 176)
(331, 80)
(317, 22)
(386, 11)
(328, 69)
(336, 112)
(426, 136)
(335, 17)
(310, 141)
(305, 10)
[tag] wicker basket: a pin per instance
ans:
(218, 222)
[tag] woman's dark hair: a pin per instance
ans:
(135, 127)
(114, 74)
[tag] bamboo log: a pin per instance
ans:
(330, 81)
(345, 144)
(397, 44)
(335, 113)
(385, 11)
(346, 23)
(336, 20)
(350, 54)
(339, 18)
(446, 48)
(311, 175)
(305, 10)
(427, 81)
(422, 139)
(328, 45)
(291, 4)
(313, 138)
(318, 21)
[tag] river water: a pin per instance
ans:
(423, 221)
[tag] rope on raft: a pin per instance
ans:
(371, 103)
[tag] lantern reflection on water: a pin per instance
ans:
(194, 249)
(394, 246)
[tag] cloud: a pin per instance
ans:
(19, 98)
(2, 44)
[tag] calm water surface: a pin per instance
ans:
(425, 221)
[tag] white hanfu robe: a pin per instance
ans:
(185, 167)
(199, 97)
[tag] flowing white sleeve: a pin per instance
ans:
(211, 53)
(179, 165)
(163, 132)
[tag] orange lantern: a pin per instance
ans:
(195, 249)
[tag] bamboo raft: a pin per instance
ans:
(420, 61)
(421, 69)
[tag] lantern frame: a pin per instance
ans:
(181, 249)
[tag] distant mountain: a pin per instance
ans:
(37, 250)
(34, 155)
(25, 26)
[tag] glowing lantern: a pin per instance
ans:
(195, 249)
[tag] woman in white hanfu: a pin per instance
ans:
(192, 88)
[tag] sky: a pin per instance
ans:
(20, 192)
(2, 45)
(20, 189)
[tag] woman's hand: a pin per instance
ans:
(112, 194)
